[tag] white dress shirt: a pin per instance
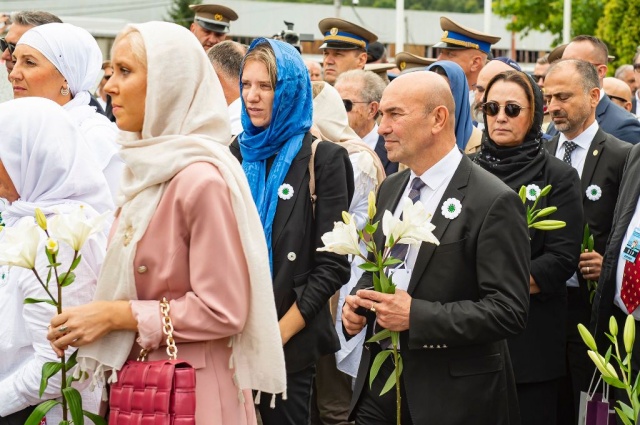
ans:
(235, 110)
(436, 180)
(578, 156)
(637, 111)
(635, 222)
(371, 139)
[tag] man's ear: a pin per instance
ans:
(440, 119)
(372, 110)
(477, 63)
(362, 60)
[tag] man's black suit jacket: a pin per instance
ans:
(389, 167)
(613, 120)
(300, 273)
(469, 293)
(603, 167)
(624, 210)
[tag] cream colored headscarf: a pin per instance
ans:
(186, 121)
(331, 122)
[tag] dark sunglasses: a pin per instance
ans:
(4, 45)
(636, 67)
(348, 104)
(492, 109)
(106, 77)
(538, 77)
(619, 99)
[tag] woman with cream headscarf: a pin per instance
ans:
(331, 122)
(42, 165)
(62, 62)
(185, 209)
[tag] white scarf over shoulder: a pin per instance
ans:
(185, 122)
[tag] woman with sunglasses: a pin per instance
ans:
(276, 152)
(61, 62)
(512, 150)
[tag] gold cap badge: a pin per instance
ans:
(333, 31)
(217, 17)
(403, 65)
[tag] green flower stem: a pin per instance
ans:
(35, 272)
(63, 370)
(398, 396)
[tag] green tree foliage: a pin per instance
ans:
(180, 13)
(618, 28)
(468, 6)
(547, 15)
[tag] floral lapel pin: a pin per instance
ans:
(451, 208)
(532, 192)
(594, 192)
(285, 191)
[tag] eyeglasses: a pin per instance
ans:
(636, 67)
(348, 104)
(4, 45)
(619, 99)
(106, 77)
(538, 77)
(492, 109)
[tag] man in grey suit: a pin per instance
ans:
(611, 117)
(455, 303)
(572, 93)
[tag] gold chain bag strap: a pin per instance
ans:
(162, 392)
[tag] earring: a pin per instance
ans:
(64, 91)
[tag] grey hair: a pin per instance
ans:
(227, 57)
(372, 84)
(34, 18)
(622, 69)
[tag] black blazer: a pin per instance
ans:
(469, 294)
(538, 354)
(389, 167)
(613, 120)
(625, 207)
(300, 273)
(603, 167)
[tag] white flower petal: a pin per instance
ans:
(342, 240)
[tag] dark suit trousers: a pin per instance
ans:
(579, 366)
(18, 418)
(332, 394)
(295, 409)
(537, 402)
(373, 409)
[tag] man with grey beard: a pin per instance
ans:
(572, 92)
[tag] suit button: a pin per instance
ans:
(142, 269)
(444, 346)
(438, 346)
(425, 346)
(291, 256)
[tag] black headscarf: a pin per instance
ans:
(516, 165)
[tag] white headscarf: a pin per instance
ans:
(48, 160)
(185, 123)
(73, 51)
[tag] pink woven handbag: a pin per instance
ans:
(161, 392)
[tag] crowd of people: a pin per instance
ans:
(221, 181)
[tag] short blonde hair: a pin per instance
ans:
(264, 54)
(136, 42)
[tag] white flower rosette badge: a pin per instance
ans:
(285, 191)
(594, 192)
(533, 192)
(451, 208)
(413, 228)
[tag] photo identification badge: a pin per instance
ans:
(631, 250)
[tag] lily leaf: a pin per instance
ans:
(74, 401)
(377, 363)
(383, 334)
(48, 370)
(368, 267)
(585, 236)
(622, 417)
(391, 261)
(626, 409)
(384, 283)
(76, 262)
(36, 416)
(391, 381)
(71, 361)
(376, 283)
(590, 243)
(614, 382)
(371, 228)
(38, 300)
(67, 279)
(97, 419)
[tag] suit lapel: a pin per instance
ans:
(552, 145)
(459, 181)
(382, 152)
(294, 177)
(593, 155)
(390, 203)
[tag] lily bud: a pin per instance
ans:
(629, 333)
(523, 194)
(346, 217)
(52, 246)
(587, 337)
(372, 205)
(41, 219)
(613, 326)
(607, 371)
(545, 190)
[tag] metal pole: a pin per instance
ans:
(399, 26)
(487, 16)
(566, 22)
(337, 4)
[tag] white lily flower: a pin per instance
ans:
(414, 228)
(343, 239)
(20, 245)
(75, 228)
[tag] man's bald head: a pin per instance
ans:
(489, 71)
(618, 91)
(418, 122)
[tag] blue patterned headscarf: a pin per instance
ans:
(291, 119)
(460, 91)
